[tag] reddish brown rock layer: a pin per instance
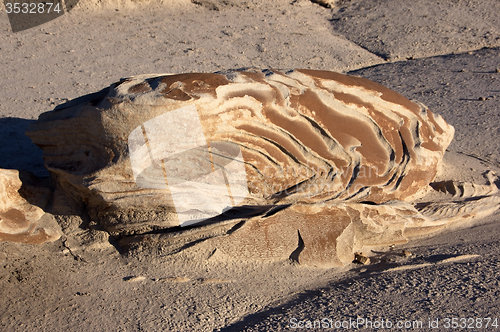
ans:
(305, 136)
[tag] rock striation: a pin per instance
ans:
(304, 165)
(300, 136)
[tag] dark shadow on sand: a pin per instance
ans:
(17, 150)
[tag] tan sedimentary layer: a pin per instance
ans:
(306, 137)
(21, 221)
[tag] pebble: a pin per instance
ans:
(361, 259)
(406, 253)
(134, 278)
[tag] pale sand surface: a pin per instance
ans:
(49, 288)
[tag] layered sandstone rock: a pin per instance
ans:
(136, 151)
(304, 165)
(21, 221)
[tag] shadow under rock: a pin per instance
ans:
(17, 150)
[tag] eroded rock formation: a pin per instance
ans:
(21, 221)
(307, 165)
(303, 136)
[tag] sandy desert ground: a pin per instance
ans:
(445, 54)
